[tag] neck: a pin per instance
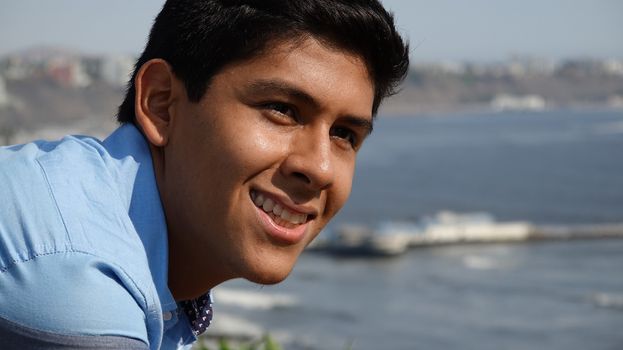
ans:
(189, 276)
(191, 272)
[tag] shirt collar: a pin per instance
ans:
(128, 144)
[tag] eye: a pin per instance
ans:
(280, 110)
(345, 135)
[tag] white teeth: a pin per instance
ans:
(277, 209)
(301, 218)
(282, 215)
(286, 215)
(259, 200)
(295, 219)
(268, 205)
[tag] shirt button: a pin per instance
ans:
(167, 316)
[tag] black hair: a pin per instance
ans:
(198, 38)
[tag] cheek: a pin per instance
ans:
(252, 149)
(339, 193)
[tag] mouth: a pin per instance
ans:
(277, 211)
(281, 221)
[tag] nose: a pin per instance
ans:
(309, 160)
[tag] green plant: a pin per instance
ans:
(265, 343)
(270, 344)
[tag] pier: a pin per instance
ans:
(395, 238)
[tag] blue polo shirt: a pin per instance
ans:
(83, 243)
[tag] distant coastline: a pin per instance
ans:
(51, 88)
(522, 85)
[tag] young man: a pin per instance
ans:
(240, 130)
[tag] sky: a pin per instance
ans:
(439, 30)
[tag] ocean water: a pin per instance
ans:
(553, 167)
(560, 167)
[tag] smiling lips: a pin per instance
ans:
(283, 224)
(280, 215)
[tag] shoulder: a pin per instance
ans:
(24, 155)
(17, 337)
(43, 186)
(70, 258)
(72, 294)
(23, 167)
(30, 219)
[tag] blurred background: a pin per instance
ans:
(487, 205)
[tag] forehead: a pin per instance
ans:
(320, 70)
(298, 43)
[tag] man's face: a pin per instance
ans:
(258, 167)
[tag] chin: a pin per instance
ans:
(268, 276)
(268, 280)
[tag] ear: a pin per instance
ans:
(155, 93)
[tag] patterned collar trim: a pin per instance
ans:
(199, 312)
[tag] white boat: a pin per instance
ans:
(450, 227)
(394, 237)
(349, 239)
(387, 239)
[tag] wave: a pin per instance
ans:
(234, 327)
(253, 300)
(476, 262)
(608, 300)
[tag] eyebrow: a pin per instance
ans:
(271, 86)
(264, 86)
(359, 122)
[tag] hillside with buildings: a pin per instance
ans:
(516, 84)
(50, 87)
